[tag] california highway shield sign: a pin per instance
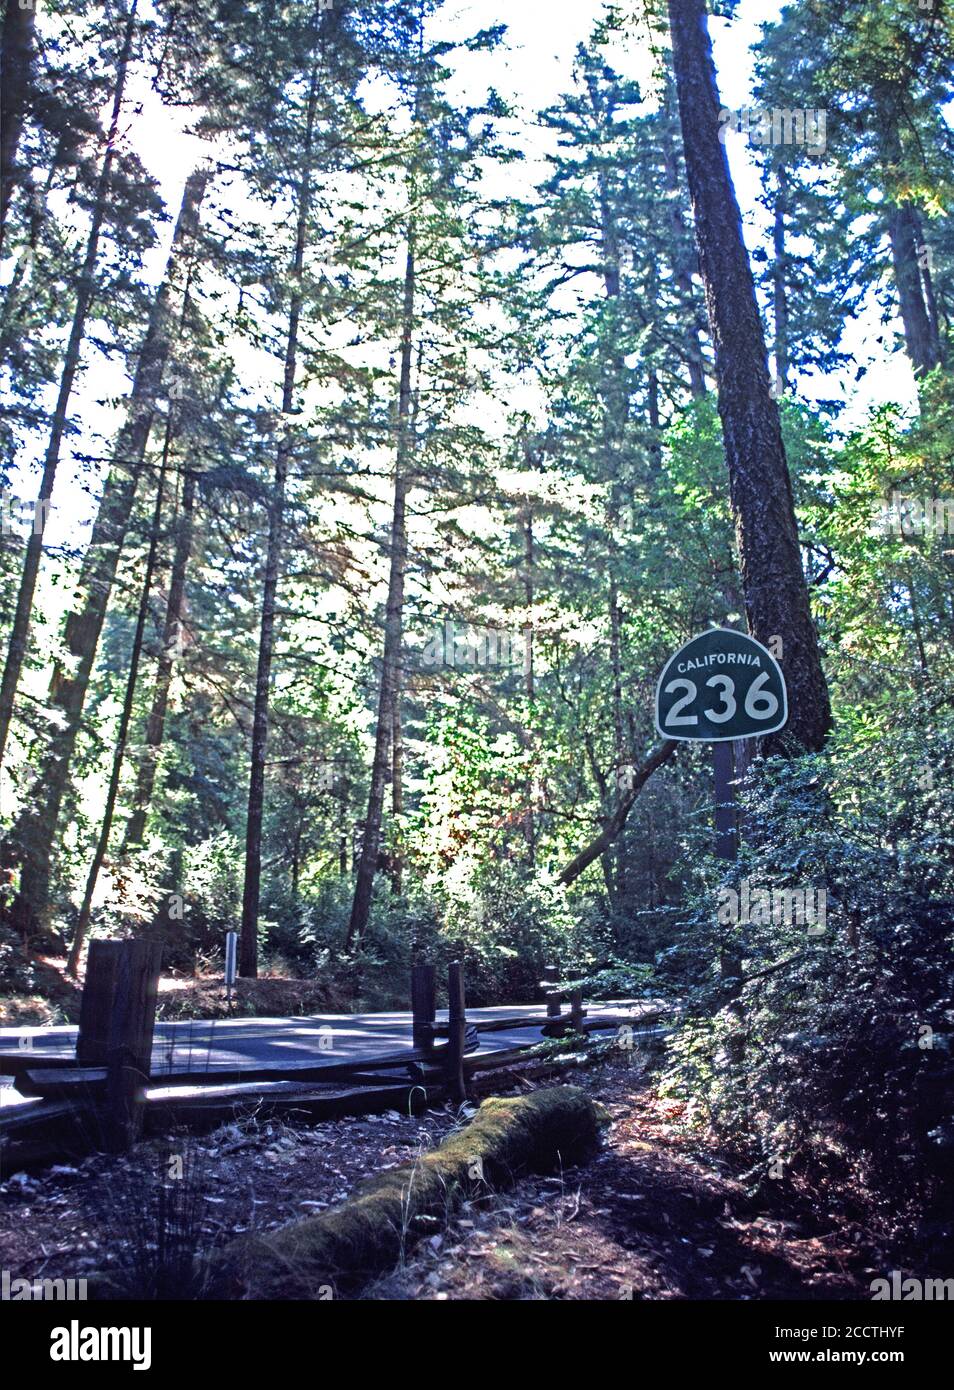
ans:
(721, 685)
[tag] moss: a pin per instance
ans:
(368, 1234)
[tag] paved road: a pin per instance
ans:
(205, 1045)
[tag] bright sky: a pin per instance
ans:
(532, 71)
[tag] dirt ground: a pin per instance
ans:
(652, 1217)
(658, 1214)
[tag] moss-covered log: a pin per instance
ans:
(368, 1234)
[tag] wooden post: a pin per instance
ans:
(423, 1006)
(551, 976)
(96, 1003)
(727, 848)
(129, 1048)
(577, 1011)
(456, 1030)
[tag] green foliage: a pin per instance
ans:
(508, 927)
(834, 1060)
(17, 975)
(203, 901)
(619, 979)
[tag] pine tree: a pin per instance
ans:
(32, 840)
(439, 231)
(86, 288)
(882, 76)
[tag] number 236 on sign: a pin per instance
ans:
(722, 685)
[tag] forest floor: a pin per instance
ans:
(658, 1214)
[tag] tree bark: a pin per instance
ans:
(529, 678)
(397, 792)
(171, 636)
(19, 633)
(251, 892)
(773, 581)
(682, 257)
(33, 837)
(920, 332)
(16, 58)
(616, 882)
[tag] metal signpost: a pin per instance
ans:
(231, 963)
(720, 688)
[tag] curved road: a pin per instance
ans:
(250, 1044)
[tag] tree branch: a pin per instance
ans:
(617, 820)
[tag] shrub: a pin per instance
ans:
(17, 974)
(833, 1056)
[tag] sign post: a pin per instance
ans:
(231, 962)
(726, 819)
(721, 688)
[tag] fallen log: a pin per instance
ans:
(367, 1235)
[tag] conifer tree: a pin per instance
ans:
(773, 581)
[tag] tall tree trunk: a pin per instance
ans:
(393, 620)
(19, 633)
(125, 717)
(529, 680)
(773, 581)
(683, 259)
(397, 792)
(251, 892)
(655, 423)
(920, 332)
(780, 281)
(616, 885)
(397, 726)
(32, 839)
(171, 637)
(16, 58)
(930, 299)
(344, 834)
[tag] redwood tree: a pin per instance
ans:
(773, 581)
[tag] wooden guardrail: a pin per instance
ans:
(101, 1090)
